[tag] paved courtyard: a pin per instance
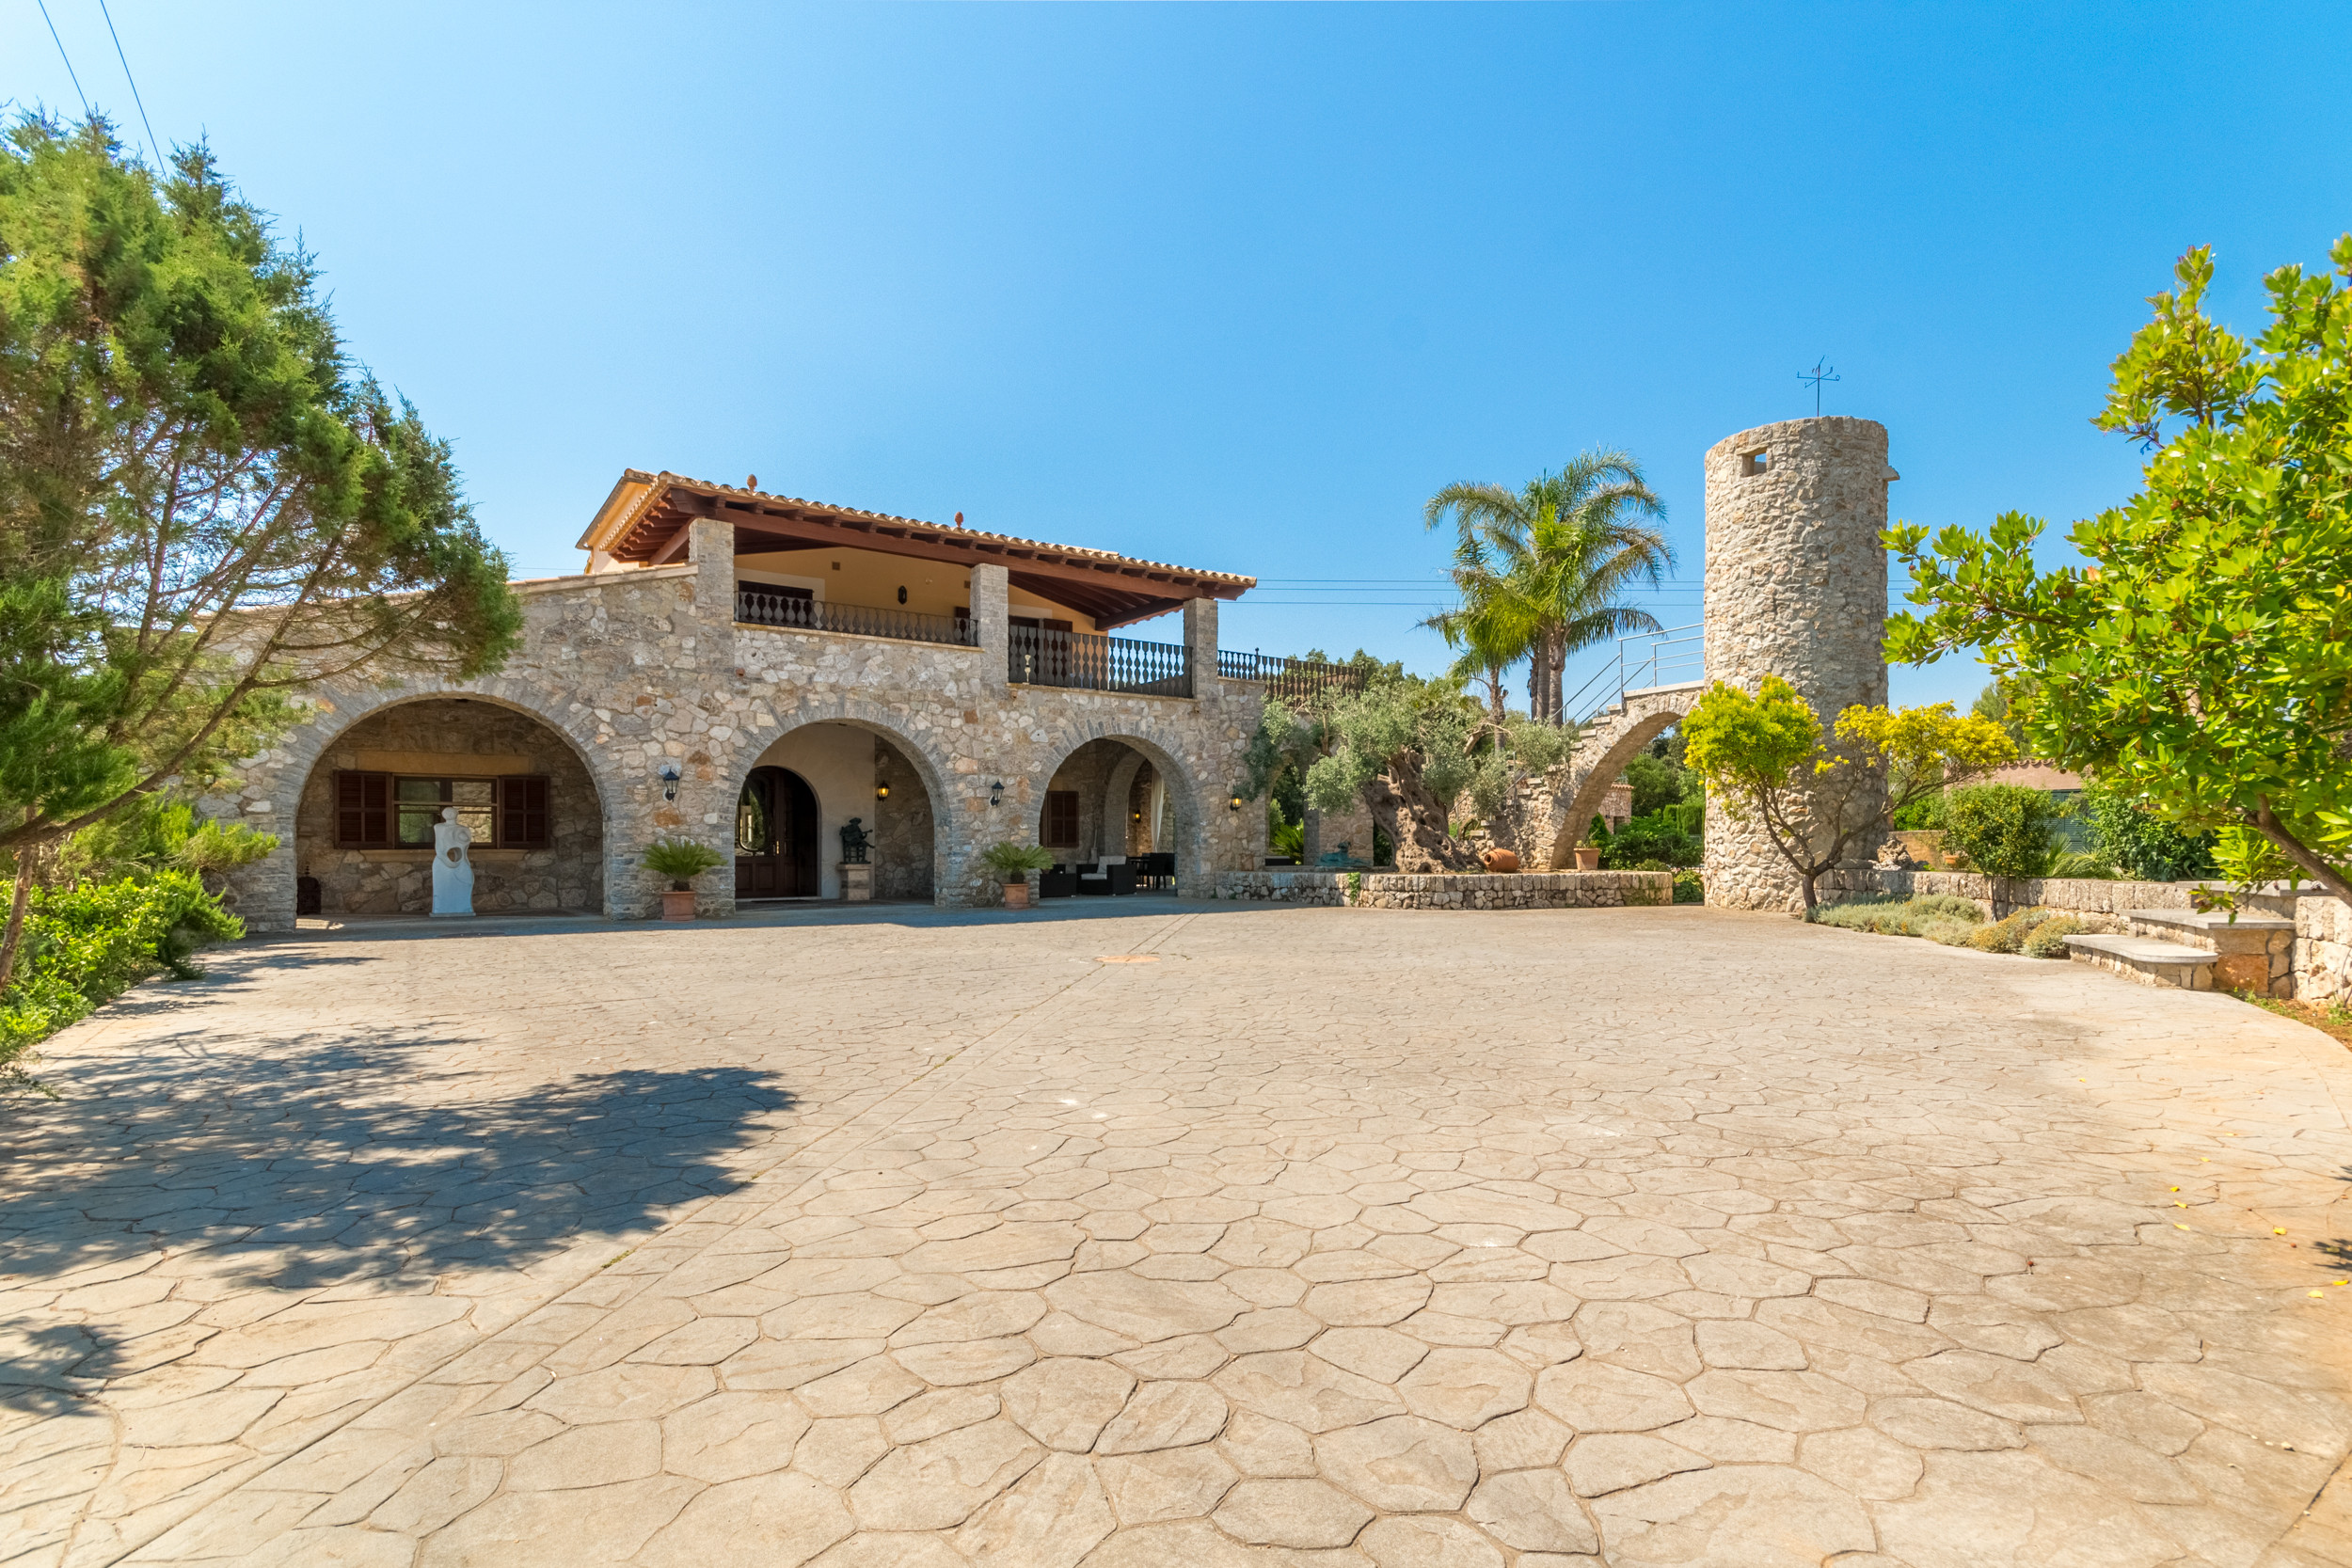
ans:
(1175, 1234)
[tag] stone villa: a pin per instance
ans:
(755, 672)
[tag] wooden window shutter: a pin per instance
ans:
(523, 818)
(1061, 818)
(363, 814)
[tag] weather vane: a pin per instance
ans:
(1822, 371)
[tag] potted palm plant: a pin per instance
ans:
(681, 860)
(1013, 862)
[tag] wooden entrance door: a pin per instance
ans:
(775, 836)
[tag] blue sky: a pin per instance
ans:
(1240, 286)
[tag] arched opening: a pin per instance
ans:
(775, 836)
(836, 773)
(363, 828)
(1591, 780)
(1115, 820)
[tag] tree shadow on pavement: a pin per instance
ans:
(352, 1153)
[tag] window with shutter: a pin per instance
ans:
(523, 820)
(363, 814)
(1062, 819)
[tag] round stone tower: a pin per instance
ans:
(1796, 587)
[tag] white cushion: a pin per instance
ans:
(1112, 860)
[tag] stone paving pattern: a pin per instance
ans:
(1298, 1237)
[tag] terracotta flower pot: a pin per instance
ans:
(1588, 857)
(1017, 894)
(677, 905)
(1500, 860)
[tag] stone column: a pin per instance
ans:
(705, 807)
(1201, 644)
(1796, 587)
(989, 599)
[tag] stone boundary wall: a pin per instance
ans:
(1555, 890)
(2321, 962)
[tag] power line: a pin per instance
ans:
(134, 84)
(65, 57)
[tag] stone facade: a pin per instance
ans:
(903, 828)
(2323, 950)
(1796, 587)
(1557, 890)
(456, 738)
(645, 670)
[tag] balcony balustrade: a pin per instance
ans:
(1290, 680)
(857, 620)
(1040, 656)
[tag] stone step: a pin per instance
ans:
(2257, 949)
(2147, 961)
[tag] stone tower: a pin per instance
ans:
(1796, 587)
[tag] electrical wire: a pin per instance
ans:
(65, 57)
(152, 151)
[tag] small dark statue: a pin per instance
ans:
(855, 840)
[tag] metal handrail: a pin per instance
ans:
(1040, 656)
(1289, 679)
(798, 614)
(1672, 655)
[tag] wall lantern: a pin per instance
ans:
(903, 596)
(996, 793)
(669, 781)
(1138, 816)
(881, 792)
(1233, 805)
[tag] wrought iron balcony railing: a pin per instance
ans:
(857, 620)
(1038, 655)
(1290, 680)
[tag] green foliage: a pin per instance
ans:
(1013, 862)
(1690, 888)
(1649, 844)
(201, 505)
(155, 832)
(2200, 663)
(84, 945)
(2082, 865)
(1419, 726)
(2004, 829)
(1994, 703)
(681, 860)
(1891, 915)
(1763, 758)
(1924, 815)
(1659, 784)
(2049, 939)
(2140, 844)
(2249, 859)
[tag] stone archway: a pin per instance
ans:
(1612, 740)
(921, 810)
(267, 793)
(1187, 835)
(526, 790)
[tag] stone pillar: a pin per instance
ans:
(1201, 644)
(705, 807)
(1796, 587)
(989, 625)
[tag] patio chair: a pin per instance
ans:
(1109, 877)
(1060, 882)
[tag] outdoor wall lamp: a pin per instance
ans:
(996, 793)
(881, 792)
(1233, 805)
(669, 781)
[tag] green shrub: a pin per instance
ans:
(2048, 940)
(2004, 829)
(1949, 905)
(2141, 846)
(86, 945)
(1925, 815)
(1890, 914)
(681, 860)
(1655, 840)
(2008, 936)
(1690, 888)
(1944, 929)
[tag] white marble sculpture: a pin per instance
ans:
(452, 867)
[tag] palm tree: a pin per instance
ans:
(1543, 568)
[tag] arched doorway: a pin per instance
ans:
(775, 836)
(1111, 801)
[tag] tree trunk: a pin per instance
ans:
(1539, 681)
(1555, 662)
(2267, 821)
(1423, 848)
(15, 933)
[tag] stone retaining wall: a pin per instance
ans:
(1556, 890)
(2323, 950)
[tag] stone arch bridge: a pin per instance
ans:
(1610, 738)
